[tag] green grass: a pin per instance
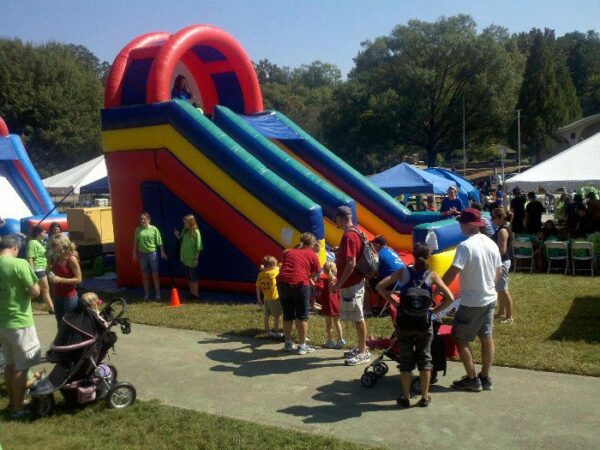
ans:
(557, 323)
(151, 425)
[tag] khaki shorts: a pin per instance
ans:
(351, 302)
(273, 308)
(21, 347)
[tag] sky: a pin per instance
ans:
(286, 32)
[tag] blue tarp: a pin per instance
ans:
(407, 179)
(465, 188)
(99, 186)
(269, 125)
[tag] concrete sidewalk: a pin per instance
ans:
(254, 381)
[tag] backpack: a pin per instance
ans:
(416, 300)
(368, 261)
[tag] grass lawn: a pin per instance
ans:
(151, 425)
(557, 323)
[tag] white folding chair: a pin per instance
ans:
(562, 254)
(523, 251)
(585, 253)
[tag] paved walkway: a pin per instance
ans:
(253, 380)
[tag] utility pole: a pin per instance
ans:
(519, 140)
(464, 140)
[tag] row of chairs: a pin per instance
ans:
(579, 253)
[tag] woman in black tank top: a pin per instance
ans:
(503, 238)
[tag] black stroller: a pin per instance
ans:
(78, 351)
(378, 368)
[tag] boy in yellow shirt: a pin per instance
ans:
(267, 295)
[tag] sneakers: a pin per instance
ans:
(507, 321)
(340, 344)
(288, 347)
(274, 334)
(158, 299)
(303, 349)
(359, 358)
(468, 384)
(351, 353)
(329, 344)
(486, 382)
(146, 297)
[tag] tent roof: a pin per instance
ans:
(464, 186)
(11, 205)
(83, 174)
(405, 178)
(573, 168)
(100, 186)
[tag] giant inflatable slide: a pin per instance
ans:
(253, 178)
(23, 196)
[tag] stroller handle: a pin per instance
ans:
(109, 309)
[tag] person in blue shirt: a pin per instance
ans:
(389, 262)
(180, 89)
(452, 205)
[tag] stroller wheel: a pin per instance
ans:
(42, 406)
(380, 369)
(368, 379)
(113, 374)
(121, 395)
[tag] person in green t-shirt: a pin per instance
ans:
(148, 242)
(18, 337)
(36, 256)
(190, 248)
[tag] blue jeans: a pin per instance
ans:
(63, 306)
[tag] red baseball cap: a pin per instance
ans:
(471, 216)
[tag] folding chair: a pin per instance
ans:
(561, 254)
(585, 253)
(522, 251)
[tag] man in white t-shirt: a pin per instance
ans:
(478, 262)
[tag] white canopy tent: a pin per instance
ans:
(573, 168)
(12, 205)
(76, 177)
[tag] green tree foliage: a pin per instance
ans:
(547, 97)
(582, 53)
(51, 95)
(301, 93)
(406, 91)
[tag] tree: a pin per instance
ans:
(547, 96)
(407, 89)
(52, 95)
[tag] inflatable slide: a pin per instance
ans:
(23, 194)
(253, 178)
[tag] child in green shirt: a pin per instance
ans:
(36, 256)
(148, 242)
(190, 248)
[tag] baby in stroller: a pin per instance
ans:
(414, 328)
(84, 338)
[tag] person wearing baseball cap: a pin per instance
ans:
(478, 263)
(351, 283)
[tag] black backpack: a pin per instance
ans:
(416, 300)
(368, 261)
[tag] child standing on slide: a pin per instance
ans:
(267, 295)
(330, 305)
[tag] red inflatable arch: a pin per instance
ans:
(217, 68)
(3, 128)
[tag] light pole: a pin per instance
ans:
(464, 139)
(519, 140)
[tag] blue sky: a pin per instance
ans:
(287, 32)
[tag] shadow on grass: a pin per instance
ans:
(581, 322)
(349, 399)
(250, 359)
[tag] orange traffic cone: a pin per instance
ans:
(174, 298)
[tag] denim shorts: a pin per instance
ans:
(149, 262)
(502, 284)
(40, 273)
(295, 301)
(191, 273)
(472, 321)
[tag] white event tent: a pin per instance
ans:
(573, 168)
(73, 179)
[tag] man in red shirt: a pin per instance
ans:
(351, 284)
